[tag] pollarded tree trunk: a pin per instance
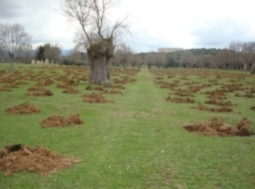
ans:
(99, 55)
(253, 69)
(99, 73)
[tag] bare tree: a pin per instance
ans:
(1, 55)
(235, 46)
(134, 60)
(226, 59)
(149, 60)
(207, 61)
(24, 54)
(186, 59)
(52, 52)
(76, 57)
(98, 33)
(253, 69)
(121, 55)
(160, 60)
(12, 39)
(248, 55)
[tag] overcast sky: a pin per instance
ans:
(153, 23)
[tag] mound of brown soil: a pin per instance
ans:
(40, 93)
(220, 103)
(61, 86)
(25, 108)
(110, 86)
(70, 90)
(246, 95)
(209, 109)
(95, 88)
(45, 82)
(60, 121)
(16, 158)
(36, 89)
(95, 98)
(4, 88)
(180, 100)
(217, 127)
(253, 108)
(106, 91)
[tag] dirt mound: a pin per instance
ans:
(36, 89)
(25, 108)
(40, 92)
(209, 109)
(110, 86)
(217, 127)
(60, 121)
(45, 82)
(70, 90)
(246, 95)
(5, 88)
(180, 100)
(16, 158)
(95, 98)
(253, 108)
(108, 91)
(95, 88)
(220, 103)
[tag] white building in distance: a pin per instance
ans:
(166, 50)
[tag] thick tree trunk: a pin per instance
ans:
(11, 61)
(253, 69)
(244, 67)
(99, 73)
(11, 65)
(99, 55)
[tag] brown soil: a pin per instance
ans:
(36, 89)
(220, 103)
(124, 80)
(217, 127)
(246, 95)
(107, 91)
(253, 108)
(70, 90)
(42, 92)
(180, 100)
(95, 88)
(60, 121)
(221, 109)
(25, 108)
(110, 86)
(16, 158)
(5, 88)
(61, 86)
(95, 98)
(45, 83)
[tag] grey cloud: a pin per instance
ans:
(220, 33)
(141, 41)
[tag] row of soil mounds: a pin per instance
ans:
(95, 98)
(71, 76)
(208, 79)
(216, 126)
(51, 121)
(17, 158)
(213, 109)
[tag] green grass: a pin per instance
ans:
(136, 142)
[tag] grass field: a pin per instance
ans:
(136, 142)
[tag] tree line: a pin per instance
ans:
(97, 37)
